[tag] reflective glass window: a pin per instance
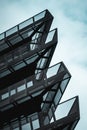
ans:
(35, 124)
(19, 66)
(1, 36)
(63, 84)
(52, 120)
(57, 97)
(4, 96)
(52, 71)
(39, 16)
(12, 92)
(25, 23)
(29, 84)
(26, 127)
(63, 109)
(31, 59)
(50, 36)
(46, 121)
(21, 88)
(4, 73)
(44, 97)
(11, 31)
(41, 62)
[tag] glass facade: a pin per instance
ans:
(30, 90)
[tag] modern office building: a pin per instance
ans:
(30, 90)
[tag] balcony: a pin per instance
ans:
(29, 58)
(42, 90)
(25, 31)
(65, 117)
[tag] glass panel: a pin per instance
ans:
(4, 96)
(35, 124)
(50, 36)
(3, 46)
(1, 36)
(13, 92)
(44, 97)
(52, 120)
(41, 63)
(63, 84)
(39, 16)
(6, 72)
(32, 46)
(21, 88)
(31, 59)
(38, 76)
(63, 109)
(26, 127)
(29, 84)
(30, 32)
(19, 66)
(52, 71)
(57, 97)
(46, 121)
(11, 31)
(25, 23)
(7, 107)
(37, 93)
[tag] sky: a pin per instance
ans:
(70, 17)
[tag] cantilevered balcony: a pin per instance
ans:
(65, 117)
(42, 90)
(26, 60)
(26, 48)
(26, 31)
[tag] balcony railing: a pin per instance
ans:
(25, 51)
(66, 117)
(47, 85)
(25, 29)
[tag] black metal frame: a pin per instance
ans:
(30, 90)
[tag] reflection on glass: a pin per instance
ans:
(21, 88)
(1, 36)
(4, 96)
(63, 84)
(25, 23)
(63, 109)
(57, 97)
(11, 31)
(29, 84)
(13, 92)
(39, 16)
(52, 71)
(19, 66)
(26, 127)
(31, 59)
(41, 62)
(50, 36)
(52, 120)
(35, 124)
(44, 97)
(4, 73)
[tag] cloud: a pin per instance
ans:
(75, 10)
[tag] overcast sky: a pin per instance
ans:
(70, 17)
